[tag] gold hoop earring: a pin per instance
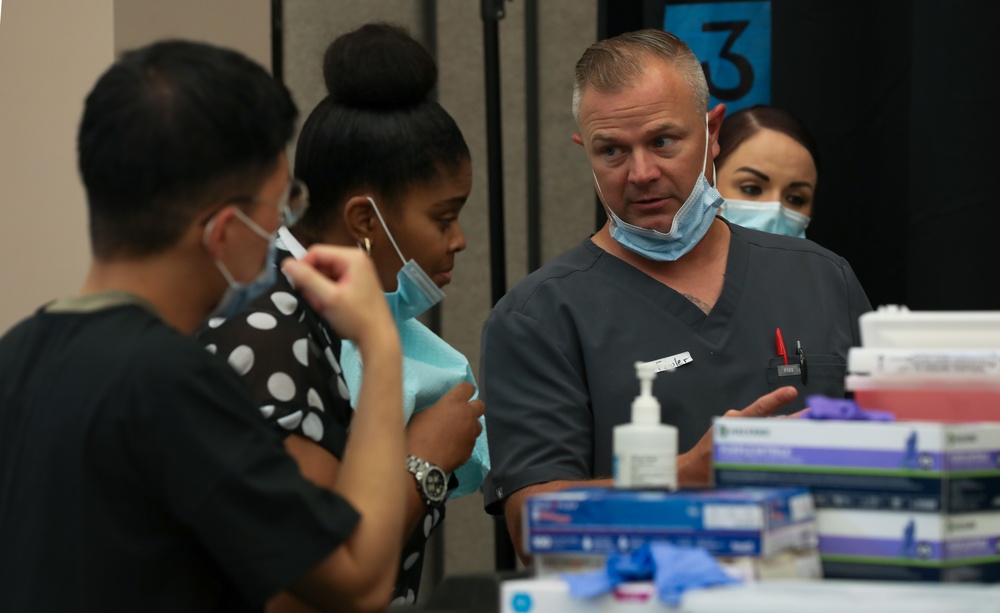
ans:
(368, 247)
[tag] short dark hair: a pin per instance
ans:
(167, 130)
(743, 124)
(379, 128)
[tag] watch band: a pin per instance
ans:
(431, 481)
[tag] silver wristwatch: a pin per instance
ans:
(432, 483)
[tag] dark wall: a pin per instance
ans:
(900, 95)
(843, 68)
(954, 127)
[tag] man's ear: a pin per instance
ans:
(359, 218)
(578, 139)
(715, 117)
(214, 232)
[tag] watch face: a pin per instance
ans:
(435, 484)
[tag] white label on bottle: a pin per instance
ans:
(649, 469)
(733, 516)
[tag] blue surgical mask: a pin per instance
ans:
(239, 295)
(415, 291)
(690, 224)
(766, 216)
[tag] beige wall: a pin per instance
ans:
(244, 25)
(51, 51)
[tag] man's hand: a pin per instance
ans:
(445, 433)
(340, 283)
(694, 468)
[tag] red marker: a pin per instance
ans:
(779, 344)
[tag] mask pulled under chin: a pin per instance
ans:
(766, 216)
(415, 291)
(691, 223)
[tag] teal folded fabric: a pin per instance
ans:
(431, 368)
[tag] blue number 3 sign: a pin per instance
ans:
(733, 42)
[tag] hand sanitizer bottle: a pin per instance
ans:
(645, 450)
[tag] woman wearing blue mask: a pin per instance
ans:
(389, 172)
(767, 167)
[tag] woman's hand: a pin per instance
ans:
(445, 433)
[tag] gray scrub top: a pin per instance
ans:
(558, 351)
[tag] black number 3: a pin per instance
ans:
(728, 94)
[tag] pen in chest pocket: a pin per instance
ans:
(786, 369)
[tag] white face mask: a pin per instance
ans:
(765, 216)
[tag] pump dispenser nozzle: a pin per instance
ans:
(645, 450)
(645, 407)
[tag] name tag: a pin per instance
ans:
(672, 362)
(791, 370)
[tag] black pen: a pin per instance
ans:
(802, 361)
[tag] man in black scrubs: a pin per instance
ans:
(664, 281)
(135, 471)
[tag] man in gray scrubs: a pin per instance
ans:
(664, 280)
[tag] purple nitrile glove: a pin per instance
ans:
(824, 407)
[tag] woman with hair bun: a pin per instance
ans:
(767, 170)
(388, 171)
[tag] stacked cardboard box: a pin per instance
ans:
(756, 533)
(895, 500)
(548, 595)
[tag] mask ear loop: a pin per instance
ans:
(230, 280)
(387, 232)
(704, 162)
(604, 203)
(600, 192)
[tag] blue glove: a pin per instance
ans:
(636, 566)
(673, 570)
(679, 569)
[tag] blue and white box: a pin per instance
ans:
(733, 522)
(896, 546)
(895, 466)
(895, 501)
(552, 595)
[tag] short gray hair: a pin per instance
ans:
(611, 64)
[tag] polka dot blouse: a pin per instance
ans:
(290, 360)
(289, 357)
